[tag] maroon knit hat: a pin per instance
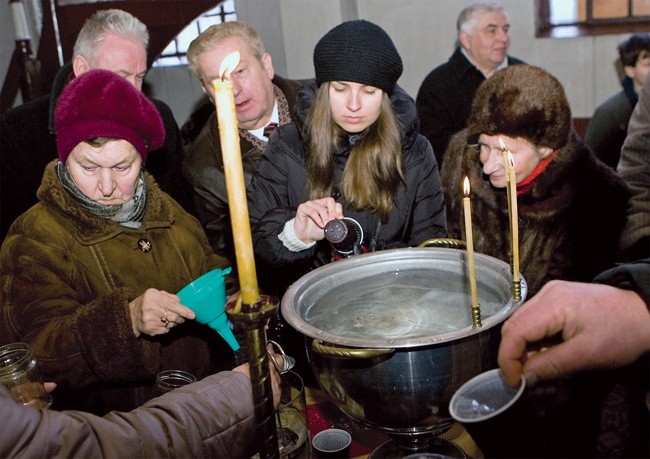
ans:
(100, 103)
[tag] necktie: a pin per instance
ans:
(269, 129)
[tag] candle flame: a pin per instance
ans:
(511, 159)
(502, 144)
(229, 63)
(466, 187)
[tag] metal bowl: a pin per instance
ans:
(389, 335)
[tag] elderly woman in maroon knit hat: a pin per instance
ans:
(89, 274)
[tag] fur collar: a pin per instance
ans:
(549, 194)
(89, 229)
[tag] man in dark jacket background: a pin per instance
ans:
(111, 40)
(446, 94)
(608, 126)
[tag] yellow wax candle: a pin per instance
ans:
(502, 145)
(469, 239)
(514, 217)
(229, 137)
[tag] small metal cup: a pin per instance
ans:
(281, 361)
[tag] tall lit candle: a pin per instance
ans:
(229, 137)
(469, 239)
(514, 217)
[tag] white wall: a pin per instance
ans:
(424, 32)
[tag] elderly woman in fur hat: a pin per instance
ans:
(571, 213)
(89, 274)
(571, 206)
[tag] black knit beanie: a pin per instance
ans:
(358, 51)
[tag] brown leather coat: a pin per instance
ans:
(67, 278)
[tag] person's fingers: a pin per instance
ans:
(536, 320)
(557, 361)
(275, 385)
(316, 212)
(177, 312)
(49, 386)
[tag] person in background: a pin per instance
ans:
(354, 151)
(571, 206)
(213, 417)
(634, 169)
(602, 326)
(111, 40)
(88, 275)
(608, 125)
(445, 97)
(263, 100)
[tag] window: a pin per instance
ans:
(176, 51)
(571, 18)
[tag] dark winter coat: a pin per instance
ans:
(280, 186)
(445, 99)
(211, 418)
(569, 221)
(28, 144)
(66, 280)
(608, 126)
(634, 169)
(203, 169)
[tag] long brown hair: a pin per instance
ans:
(374, 168)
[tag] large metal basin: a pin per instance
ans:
(389, 335)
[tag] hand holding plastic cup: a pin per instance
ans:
(206, 296)
(494, 414)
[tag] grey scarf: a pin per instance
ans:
(128, 214)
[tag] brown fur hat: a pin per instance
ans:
(521, 101)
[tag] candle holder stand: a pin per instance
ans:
(476, 317)
(253, 319)
(516, 284)
(516, 290)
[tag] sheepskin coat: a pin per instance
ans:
(67, 278)
(570, 220)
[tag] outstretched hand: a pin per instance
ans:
(600, 326)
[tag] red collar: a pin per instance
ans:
(524, 186)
